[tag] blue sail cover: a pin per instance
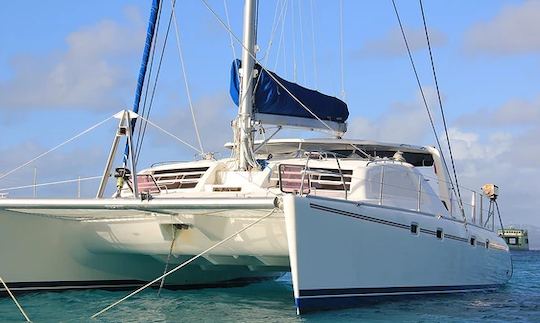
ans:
(271, 98)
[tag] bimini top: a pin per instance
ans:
(415, 155)
(271, 98)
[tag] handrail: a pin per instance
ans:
(309, 154)
(419, 190)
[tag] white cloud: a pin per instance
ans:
(513, 31)
(403, 122)
(512, 113)
(508, 160)
(68, 163)
(392, 44)
(88, 74)
(486, 154)
(213, 114)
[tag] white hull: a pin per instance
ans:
(83, 248)
(349, 240)
(343, 253)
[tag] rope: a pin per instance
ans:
(440, 101)
(264, 68)
(15, 300)
(55, 147)
(188, 93)
(499, 213)
(314, 54)
(147, 84)
(293, 27)
(302, 52)
(342, 69)
(170, 134)
(280, 43)
(231, 41)
(423, 96)
(139, 144)
(168, 259)
(50, 183)
(275, 23)
(182, 265)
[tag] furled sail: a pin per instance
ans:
(271, 98)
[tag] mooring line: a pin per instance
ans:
(183, 264)
(14, 300)
(162, 283)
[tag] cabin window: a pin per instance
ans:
(414, 228)
(290, 178)
(473, 241)
(179, 178)
(439, 233)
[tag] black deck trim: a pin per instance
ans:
(386, 222)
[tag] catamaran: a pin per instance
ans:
(351, 220)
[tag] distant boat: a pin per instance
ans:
(516, 239)
(352, 220)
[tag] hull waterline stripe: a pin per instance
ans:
(306, 304)
(377, 291)
(120, 284)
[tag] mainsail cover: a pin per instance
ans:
(271, 98)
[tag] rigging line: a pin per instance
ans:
(280, 42)
(15, 300)
(155, 40)
(293, 27)
(499, 213)
(155, 83)
(186, 83)
(56, 147)
(302, 52)
(50, 183)
(275, 23)
(314, 51)
(230, 37)
(440, 102)
(182, 265)
(174, 235)
(267, 52)
(265, 69)
(422, 93)
(342, 70)
(170, 134)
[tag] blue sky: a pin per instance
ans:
(66, 65)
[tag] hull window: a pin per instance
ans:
(414, 228)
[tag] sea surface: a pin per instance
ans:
(518, 301)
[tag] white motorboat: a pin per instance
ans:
(352, 220)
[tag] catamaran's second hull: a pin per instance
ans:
(344, 253)
(110, 247)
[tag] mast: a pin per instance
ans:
(245, 158)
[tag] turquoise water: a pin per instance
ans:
(519, 301)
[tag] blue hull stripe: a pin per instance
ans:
(121, 285)
(389, 290)
(319, 299)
